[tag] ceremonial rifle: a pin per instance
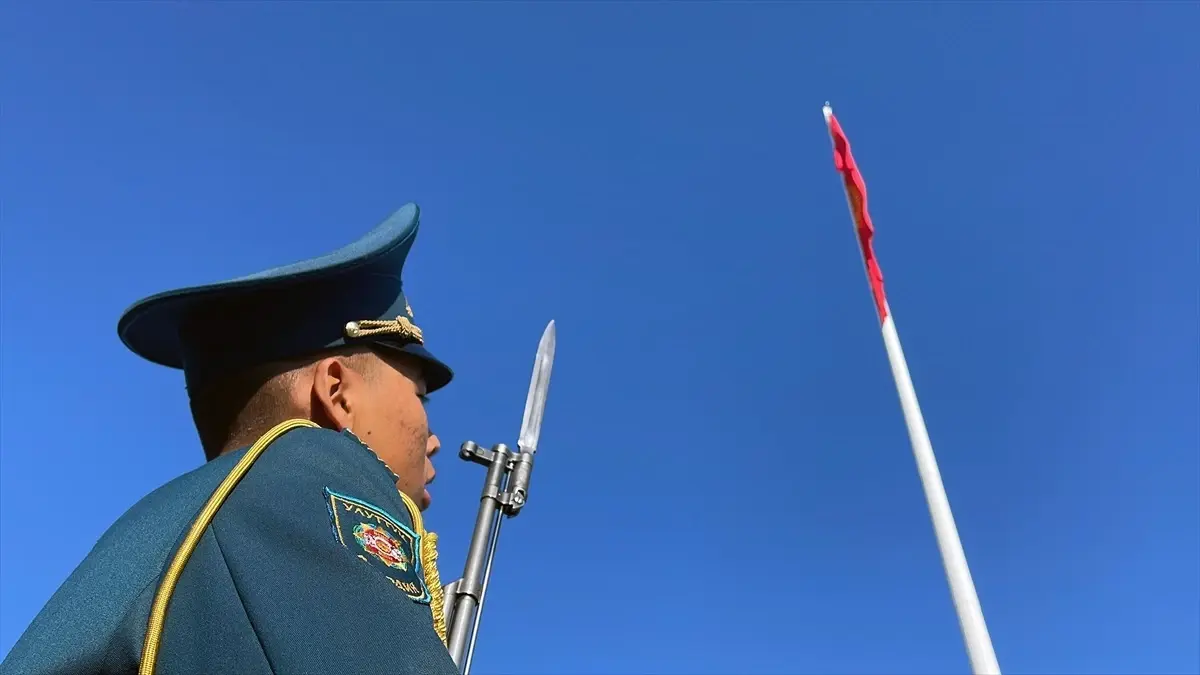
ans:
(505, 491)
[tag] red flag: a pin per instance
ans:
(856, 192)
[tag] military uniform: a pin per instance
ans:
(295, 555)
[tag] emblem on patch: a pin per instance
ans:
(390, 546)
(376, 541)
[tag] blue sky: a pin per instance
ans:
(725, 483)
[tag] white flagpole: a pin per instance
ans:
(962, 588)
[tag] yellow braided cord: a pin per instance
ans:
(437, 600)
(437, 597)
(162, 598)
(398, 326)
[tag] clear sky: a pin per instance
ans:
(725, 482)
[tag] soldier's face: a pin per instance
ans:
(397, 427)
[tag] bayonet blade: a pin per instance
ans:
(539, 386)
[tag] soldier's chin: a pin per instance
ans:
(426, 499)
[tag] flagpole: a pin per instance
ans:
(958, 575)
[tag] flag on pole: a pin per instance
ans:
(962, 589)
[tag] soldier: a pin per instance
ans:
(299, 546)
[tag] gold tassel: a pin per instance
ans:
(433, 580)
(437, 601)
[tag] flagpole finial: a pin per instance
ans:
(827, 110)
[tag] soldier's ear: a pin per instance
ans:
(336, 392)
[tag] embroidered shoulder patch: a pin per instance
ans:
(381, 541)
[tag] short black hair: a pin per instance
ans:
(235, 410)
(230, 410)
